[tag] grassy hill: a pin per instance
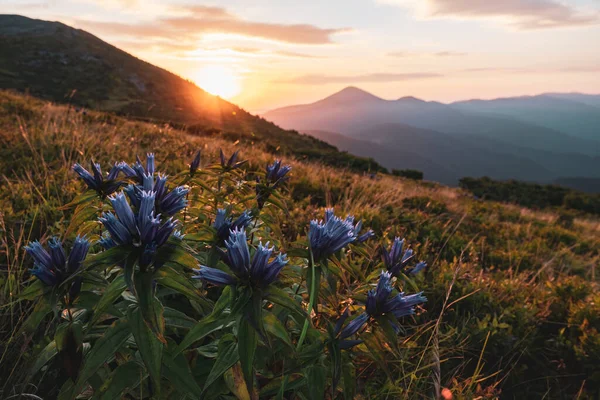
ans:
(53, 61)
(513, 295)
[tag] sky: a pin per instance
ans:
(263, 54)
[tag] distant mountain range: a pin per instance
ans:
(56, 62)
(546, 138)
(537, 138)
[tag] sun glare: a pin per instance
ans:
(219, 80)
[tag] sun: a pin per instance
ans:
(219, 80)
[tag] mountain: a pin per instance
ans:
(465, 142)
(589, 99)
(340, 113)
(572, 115)
(56, 62)
(391, 157)
(439, 156)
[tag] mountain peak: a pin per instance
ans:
(410, 99)
(350, 94)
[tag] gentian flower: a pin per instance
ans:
(349, 330)
(144, 229)
(365, 236)
(231, 163)
(96, 181)
(168, 202)
(195, 163)
(53, 267)
(333, 233)
(379, 303)
(224, 224)
(258, 272)
(275, 175)
(396, 261)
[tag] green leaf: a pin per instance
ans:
(125, 376)
(108, 258)
(228, 355)
(47, 354)
(274, 326)
(177, 371)
(176, 255)
(247, 343)
(177, 319)
(169, 277)
(41, 309)
(205, 327)
(33, 291)
(150, 348)
(349, 379)
(150, 306)
(316, 379)
(84, 197)
(103, 350)
(112, 293)
(280, 297)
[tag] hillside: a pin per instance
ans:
(572, 116)
(506, 286)
(476, 142)
(53, 61)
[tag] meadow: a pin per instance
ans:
(512, 310)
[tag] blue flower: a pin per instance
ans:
(365, 236)
(96, 181)
(276, 173)
(380, 303)
(224, 224)
(396, 261)
(258, 271)
(400, 305)
(349, 330)
(144, 229)
(195, 163)
(331, 235)
(168, 202)
(231, 163)
(53, 267)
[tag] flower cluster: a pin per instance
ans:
(168, 202)
(53, 267)
(275, 175)
(396, 261)
(258, 272)
(224, 224)
(96, 181)
(380, 303)
(232, 163)
(142, 230)
(330, 235)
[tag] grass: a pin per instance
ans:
(513, 306)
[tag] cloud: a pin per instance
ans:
(194, 21)
(381, 77)
(520, 14)
(406, 54)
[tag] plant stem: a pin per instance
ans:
(311, 302)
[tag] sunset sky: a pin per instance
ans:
(264, 54)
